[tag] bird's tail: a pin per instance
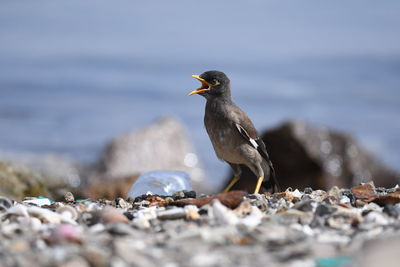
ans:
(270, 182)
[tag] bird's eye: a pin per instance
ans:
(216, 82)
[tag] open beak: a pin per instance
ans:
(205, 86)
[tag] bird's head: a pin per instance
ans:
(213, 84)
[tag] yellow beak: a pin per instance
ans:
(205, 86)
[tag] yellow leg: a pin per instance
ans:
(258, 186)
(232, 183)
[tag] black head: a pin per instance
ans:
(213, 84)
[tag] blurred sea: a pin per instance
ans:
(75, 74)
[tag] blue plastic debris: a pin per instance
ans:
(332, 262)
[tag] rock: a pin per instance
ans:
(18, 210)
(391, 198)
(109, 215)
(184, 194)
(304, 156)
(5, 203)
(68, 212)
(160, 183)
(59, 173)
(69, 197)
(244, 209)
(122, 203)
(45, 215)
(308, 190)
(65, 232)
(171, 214)
(324, 209)
(365, 192)
(121, 229)
(192, 212)
(293, 216)
(17, 182)
(390, 210)
(221, 214)
(230, 199)
(162, 145)
(368, 193)
(305, 205)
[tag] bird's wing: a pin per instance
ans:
(248, 131)
(246, 135)
(256, 142)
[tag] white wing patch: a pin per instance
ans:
(243, 132)
(253, 142)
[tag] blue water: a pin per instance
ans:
(75, 74)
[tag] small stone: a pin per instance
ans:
(69, 197)
(334, 192)
(65, 232)
(308, 190)
(348, 193)
(179, 195)
(230, 199)
(392, 190)
(391, 198)
(221, 214)
(244, 209)
(129, 215)
(190, 194)
(324, 209)
(293, 216)
(297, 194)
(18, 210)
(44, 215)
(141, 221)
(390, 210)
(365, 192)
(68, 212)
(376, 218)
(171, 214)
(109, 215)
(286, 195)
(192, 212)
(5, 203)
(120, 229)
(305, 205)
(122, 203)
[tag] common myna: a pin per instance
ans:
(233, 135)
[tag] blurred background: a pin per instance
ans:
(74, 74)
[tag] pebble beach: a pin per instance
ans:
(292, 228)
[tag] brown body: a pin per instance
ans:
(232, 134)
(229, 145)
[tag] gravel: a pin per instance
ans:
(291, 228)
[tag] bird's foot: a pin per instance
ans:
(232, 183)
(258, 186)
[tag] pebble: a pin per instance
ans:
(171, 214)
(5, 203)
(69, 197)
(109, 215)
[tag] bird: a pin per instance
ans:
(232, 133)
